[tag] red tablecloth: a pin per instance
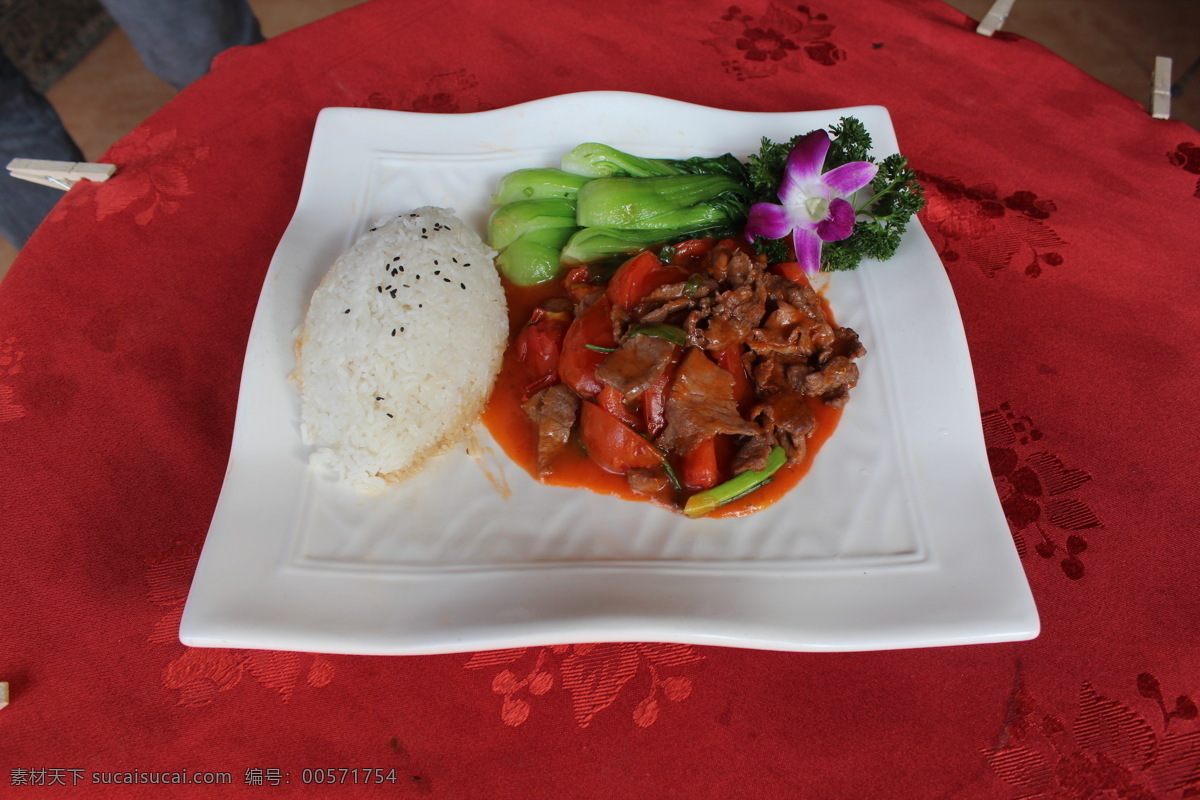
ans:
(1068, 221)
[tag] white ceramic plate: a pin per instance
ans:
(895, 539)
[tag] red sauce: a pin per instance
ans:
(517, 435)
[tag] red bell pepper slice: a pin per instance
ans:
(612, 444)
(613, 402)
(689, 252)
(578, 362)
(538, 347)
(639, 276)
(792, 271)
(700, 468)
(730, 360)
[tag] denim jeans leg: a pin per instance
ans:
(178, 39)
(29, 128)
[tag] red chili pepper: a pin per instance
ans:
(639, 276)
(792, 271)
(654, 399)
(613, 402)
(701, 469)
(578, 362)
(538, 347)
(613, 445)
(689, 252)
(730, 360)
(576, 284)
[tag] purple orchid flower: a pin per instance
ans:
(814, 208)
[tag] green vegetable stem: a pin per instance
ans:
(534, 257)
(513, 220)
(597, 160)
(668, 202)
(537, 184)
(709, 500)
(596, 244)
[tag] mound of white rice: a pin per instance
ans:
(400, 347)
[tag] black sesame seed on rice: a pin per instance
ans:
(462, 286)
(395, 258)
(390, 416)
(347, 311)
(393, 331)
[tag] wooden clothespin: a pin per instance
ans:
(995, 17)
(1160, 96)
(59, 174)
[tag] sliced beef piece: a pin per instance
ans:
(700, 404)
(795, 294)
(735, 315)
(673, 298)
(554, 411)
(833, 381)
(786, 334)
(664, 312)
(752, 455)
(636, 365)
(788, 417)
(650, 481)
(558, 305)
(846, 343)
(732, 267)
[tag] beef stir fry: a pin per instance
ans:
(694, 377)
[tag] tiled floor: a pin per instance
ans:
(108, 93)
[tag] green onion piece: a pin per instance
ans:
(694, 282)
(600, 349)
(671, 333)
(672, 475)
(709, 500)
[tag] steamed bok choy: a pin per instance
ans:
(617, 204)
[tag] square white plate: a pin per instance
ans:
(895, 538)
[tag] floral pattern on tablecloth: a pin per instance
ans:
(10, 364)
(782, 36)
(198, 675)
(151, 178)
(594, 675)
(1186, 156)
(1038, 491)
(1110, 750)
(444, 93)
(975, 224)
